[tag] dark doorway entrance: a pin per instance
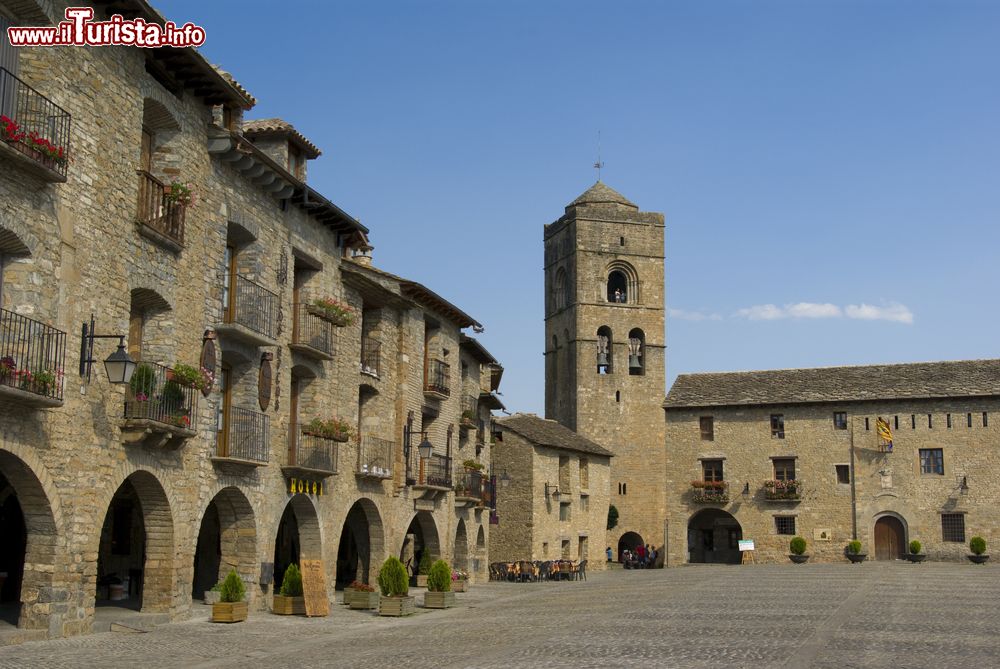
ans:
(421, 537)
(12, 552)
(122, 555)
(713, 537)
(890, 538)
(298, 537)
(227, 540)
(628, 541)
(360, 547)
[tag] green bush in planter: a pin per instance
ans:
(143, 381)
(439, 578)
(854, 547)
(915, 547)
(424, 567)
(977, 545)
(232, 589)
(392, 579)
(291, 584)
(797, 546)
(173, 396)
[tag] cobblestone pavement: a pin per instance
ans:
(823, 616)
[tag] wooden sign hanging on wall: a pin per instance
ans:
(264, 381)
(208, 359)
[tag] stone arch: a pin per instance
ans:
(227, 539)
(621, 276)
(460, 556)
(890, 536)
(362, 544)
(152, 558)
(605, 350)
(560, 290)
(158, 110)
(636, 352)
(421, 535)
(150, 332)
(298, 537)
(33, 554)
(16, 240)
(713, 536)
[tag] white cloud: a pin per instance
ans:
(895, 312)
(813, 310)
(685, 315)
(762, 312)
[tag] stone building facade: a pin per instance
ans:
(605, 348)
(797, 452)
(555, 505)
(146, 493)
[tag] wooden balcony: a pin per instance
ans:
(159, 218)
(32, 355)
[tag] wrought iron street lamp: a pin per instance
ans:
(119, 366)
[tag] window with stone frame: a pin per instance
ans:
(777, 426)
(784, 469)
(565, 549)
(706, 424)
(784, 524)
(712, 470)
(932, 461)
(584, 503)
(584, 473)
(564, 511)
(843, 474)
(581, 548)
(953, 527)
(840, 420)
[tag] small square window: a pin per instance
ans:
(777, 426)
(843, 474)
(707, 425)
(867, 424)
(564, 511)
(565, 549)
(953, 527)
(712, 470)
(784, 524)
(784, 469)
(839, 420)
(545, 549)
(968, 420)
(932, 461)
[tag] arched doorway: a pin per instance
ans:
(479, 562)
(421, 536)
(461, 556)
(135, 559)
(890, 538)
(628, 541)
(713, 537)
(298, 537)
(227, 540)
(361, 545)
(27, 543)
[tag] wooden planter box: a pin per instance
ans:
(365, 601)
(348, 595)
(459, 586)
(439, 600)
(289, 606)
(229, 612)
(396, 606)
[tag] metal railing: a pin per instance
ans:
(246, 434)
(470, 409)
(435, 470)
(370, 353)
(312, 331)
(151, 394)
(375, 457)
(42, 130)
(710, 492)
(312, 452)
(157, 211)
(472, 484)
(787, 490)
(31, 355)
(438, 372)
(253, 306)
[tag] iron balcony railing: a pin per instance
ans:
(438, 372)
(375, 457)
(709, 492)
(313, 452)
(157, 211)
(433, 471)
(245, 435)
(783, 490)
(151, 394)
(370, 352)
(253, 306)
(472, 484)
(470, 408)
(40, 127)
(312, 331)
(31, 355)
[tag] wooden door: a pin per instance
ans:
(293, 419)
(889, 538)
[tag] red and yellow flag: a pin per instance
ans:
(884, 432)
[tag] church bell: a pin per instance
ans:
(633, 361)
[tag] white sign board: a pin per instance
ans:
(746, 545)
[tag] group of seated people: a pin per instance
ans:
(640, 557)
(538, 570)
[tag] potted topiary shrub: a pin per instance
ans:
(290, 602)
(232, 608)
(423, 569)
(978, 547)
(395, 589)
(797, 546)
(853, 552)
(915, 555)
(365, 597)
(439, 594)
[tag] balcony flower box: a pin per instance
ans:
(782, 491)
(709, 492)
(333, 311)
(334, 429)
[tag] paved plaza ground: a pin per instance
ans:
(894, 615)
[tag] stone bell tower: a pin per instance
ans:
(605, 351)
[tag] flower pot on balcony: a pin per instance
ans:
(396, 606)
(229, 612)
(339, 437)
(289, 606)
(977, 559)
(365, 601)
(439, 600)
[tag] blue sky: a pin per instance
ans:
(828, 170)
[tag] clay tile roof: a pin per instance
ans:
(277, 126)
(542, 432)
(601, 194)
(236, 85)
(922, 380)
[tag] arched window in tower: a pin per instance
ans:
(623, 283)
(605, 349)
(617, 287)
(636, 352)
(559, 290)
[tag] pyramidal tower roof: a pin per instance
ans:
(599, 193)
